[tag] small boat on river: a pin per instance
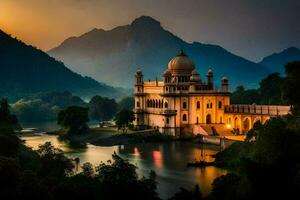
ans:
(202, 162)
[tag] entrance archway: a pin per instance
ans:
(246, 125)
(237, 124)
(208, 119)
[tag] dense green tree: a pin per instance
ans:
(120, 175)
(74, 119)
(44, 106)
(268, 161)
(9, 177)
(270, 89)
(290, 88)
(9, 145)
(124, 118)
(53, 161)
(8, 122)
(269, 92)
(126, 103)
(102, 108)
(243, 96)
(184, 194)
(88, 169)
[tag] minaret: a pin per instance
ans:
(139, 99)
(210, 77)
(138, 85)
(224, 83)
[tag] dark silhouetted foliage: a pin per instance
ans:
(74, 119)
(124, 118)
(102, 108)
(126, 103)
(290, 88)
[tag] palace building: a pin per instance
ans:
(185, 103)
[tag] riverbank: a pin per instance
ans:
(111, 136)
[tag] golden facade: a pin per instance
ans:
(183, 103)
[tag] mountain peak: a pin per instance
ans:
(277, 61)
(145, 21)
(292, 49)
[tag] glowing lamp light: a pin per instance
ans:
(228, 126)
(136, 151)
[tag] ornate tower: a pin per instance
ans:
(210, 76)
(224, 83)
(139, 99)
(138, 84)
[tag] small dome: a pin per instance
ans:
(195, 76)
(139, 72)
(167, 72)
(224, 79)
(210, 72)
(181, 63)
(195, 72)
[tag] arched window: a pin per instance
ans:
(207, 105)
(220, 104)
(167, 120)
(197, 120)
(166, 104)
(184, 117)
(221, 121)
(184, 105)
(156, 103)
(138, 104)
(211, 105)
(198, 104)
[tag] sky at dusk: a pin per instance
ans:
(249, 28)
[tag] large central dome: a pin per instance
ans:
(181, 64)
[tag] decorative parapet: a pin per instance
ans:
(272, 110)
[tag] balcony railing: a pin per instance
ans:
(160, 111)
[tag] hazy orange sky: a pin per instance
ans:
(250, 28)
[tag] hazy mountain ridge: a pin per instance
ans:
(276, 61)
(109, 55)
(25, 70)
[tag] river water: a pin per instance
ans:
(168, 160)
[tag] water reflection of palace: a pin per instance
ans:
(185, 103)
